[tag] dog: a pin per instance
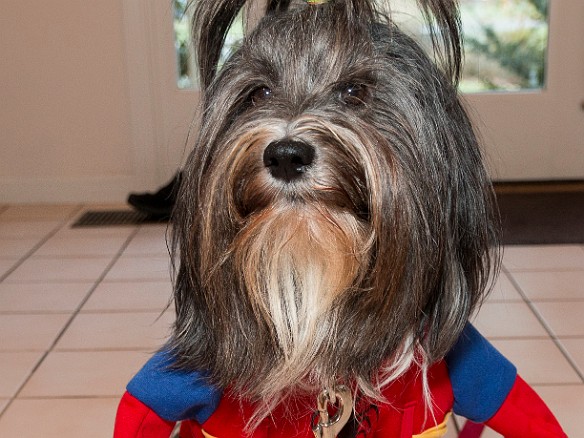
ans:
(335, 228)
(336, 212)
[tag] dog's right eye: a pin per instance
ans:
(353, 94)
(260, 95)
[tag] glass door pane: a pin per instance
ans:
(505, 41)
(183, 45)
(185, 55)
(505, 44)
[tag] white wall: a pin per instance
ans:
(66, 132)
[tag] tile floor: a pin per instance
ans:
(82, 309)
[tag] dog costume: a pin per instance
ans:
(474, 381)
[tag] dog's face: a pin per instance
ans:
(335, 219)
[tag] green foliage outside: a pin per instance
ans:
(505, 44)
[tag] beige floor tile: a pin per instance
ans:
(30, 332)
(544, 258)
(155, 230)
(140, 268)
(59, 418)
(3, 404)
(27, 229)
(42, 269)
(35, 212)
(149, 240)
(503, 290)
(564, 318)
(568, 285)
(6, 264)
(68, 231)
(88, 373)
(508, 320)
(121, 331)
(130, 296)
(42, 297)
(538, 361)
(575, 348)
(17, 248)
(15, 367)
(82, 246)
(567, 404)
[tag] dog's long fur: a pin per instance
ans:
(376, 256)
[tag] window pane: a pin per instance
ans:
(505, 44)
(183, 46)
(186, 68)
(505, 41)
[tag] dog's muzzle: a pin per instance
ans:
(288, 160)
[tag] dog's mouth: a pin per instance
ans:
(294, 173)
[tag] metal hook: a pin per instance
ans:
(327, 426)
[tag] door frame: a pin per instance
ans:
(159, 135)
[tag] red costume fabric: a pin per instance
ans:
(474, 381)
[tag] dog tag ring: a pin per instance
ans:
(327, 426)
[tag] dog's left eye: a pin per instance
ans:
(260, 94)
(354, 94)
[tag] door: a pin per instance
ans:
(529, 134)
(539, 134)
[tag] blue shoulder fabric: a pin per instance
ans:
(481, 377)
(173, 394)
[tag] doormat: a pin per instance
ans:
(114, 218)
(540, 215)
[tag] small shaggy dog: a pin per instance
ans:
(334, 232)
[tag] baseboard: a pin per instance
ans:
(544, 186)
(113, 189)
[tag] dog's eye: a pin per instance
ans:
(354, 94)
(260, 94)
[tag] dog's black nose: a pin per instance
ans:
(287, 160)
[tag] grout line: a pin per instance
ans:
(72, 317)
(566, 384)
(72, 397)
(40, 243)
(546, 326)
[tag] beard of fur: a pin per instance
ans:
(295, 263)
(295, 254)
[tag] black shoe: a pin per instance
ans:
(158, 205)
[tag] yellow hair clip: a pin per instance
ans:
(316, 2)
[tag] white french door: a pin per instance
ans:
(528, 135)
(539, 135)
